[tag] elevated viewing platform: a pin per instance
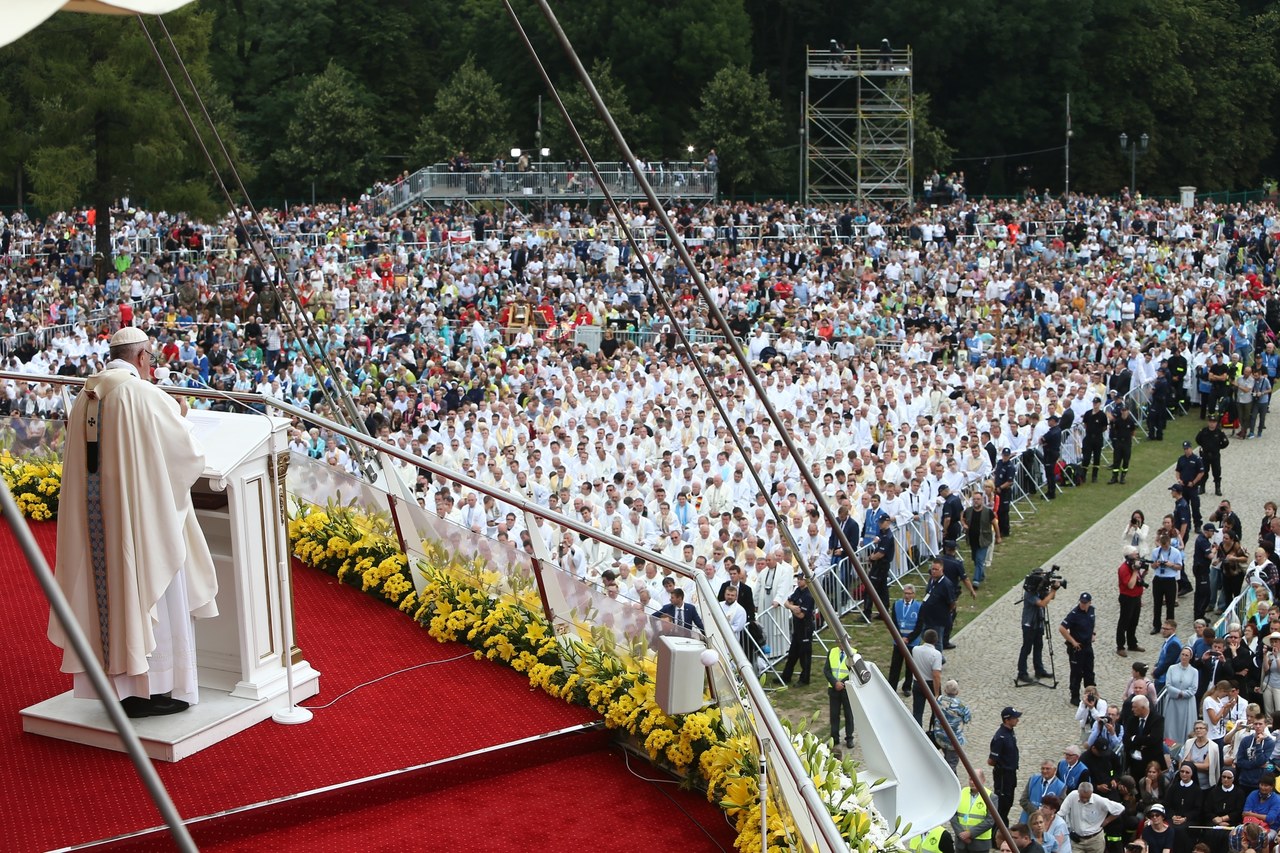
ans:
(859, 132)
(560, 181)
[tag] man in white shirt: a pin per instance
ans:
(1086, 813)
(735, 613)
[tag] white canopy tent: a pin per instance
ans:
(21, 18)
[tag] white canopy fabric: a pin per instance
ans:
(21, 18)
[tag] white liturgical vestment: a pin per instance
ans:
(155, 569)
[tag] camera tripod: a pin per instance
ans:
(1048, 644)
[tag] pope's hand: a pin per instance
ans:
(182, 406)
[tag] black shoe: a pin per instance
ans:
(1155, 630)
(949, 646)
(158, 705)
(1045, 675)
(1023, 678)
(1217, 490)
(804, 682)
(848, 743)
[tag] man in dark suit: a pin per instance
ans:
(745, 598)
(684, 615)
(1143, 737)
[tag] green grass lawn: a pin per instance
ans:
(1032, 542)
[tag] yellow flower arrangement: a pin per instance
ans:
(36, 484)
(462, 600)
(355, 547)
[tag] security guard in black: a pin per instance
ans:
(1078, 629)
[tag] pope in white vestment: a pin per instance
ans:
(132, 560)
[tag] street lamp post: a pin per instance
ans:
(1135, 149)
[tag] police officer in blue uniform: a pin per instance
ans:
(1004, 760)
(953, 569)
(1079, 629)
(1191, 471)
(1051, 447)
(882, 551)
(801, 605)
(1006, 470)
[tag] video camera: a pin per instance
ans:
(1140, 565)
(1041, 581)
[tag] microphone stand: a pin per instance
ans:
(294, 714)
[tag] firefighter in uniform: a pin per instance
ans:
(1212, 441)
(1095, 433)
(1123, 426)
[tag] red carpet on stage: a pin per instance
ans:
(564, 791)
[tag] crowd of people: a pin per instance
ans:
(905, 353)
(1183, 753)
(920, 362)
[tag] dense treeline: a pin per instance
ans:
(338, 93)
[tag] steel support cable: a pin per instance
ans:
(352, 412)
(348, 405)
(842, 636)
(658, 291)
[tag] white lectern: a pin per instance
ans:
(242, 652)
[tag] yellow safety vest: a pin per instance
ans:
(839, 664)
(927, 843)
(972, 811)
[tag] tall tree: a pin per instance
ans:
(107, 124)
(742, 121)
(599, 140)
(470, 114)
(1197, 76)
(331, 137)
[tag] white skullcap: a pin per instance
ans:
(128, 335)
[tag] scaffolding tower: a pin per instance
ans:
(858, 128)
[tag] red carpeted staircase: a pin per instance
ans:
(562, 791)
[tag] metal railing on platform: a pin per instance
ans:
(559, 180)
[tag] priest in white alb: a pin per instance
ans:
(132, 560)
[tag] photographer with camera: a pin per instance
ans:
(1079, 629)
(1226, 519)
(1166, 561)
(1038, 590)
(1133, 582)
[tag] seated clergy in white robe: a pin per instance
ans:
(132, 560)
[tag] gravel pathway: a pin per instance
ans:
(986, 661)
